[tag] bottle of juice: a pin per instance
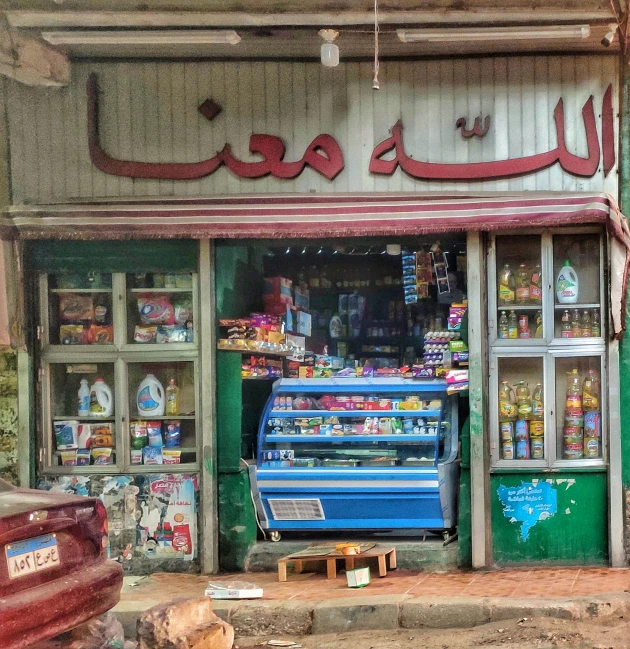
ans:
(566, 331)
(172, 398)
(586, 324)
(522, 285)
(512, 325)
(507, 405)
(507, 286)
(535, 286)
(523, 401)
(538, 330)
(503, 325)
(590, 392)
(576, 327)
(574, 392)
(596, 328)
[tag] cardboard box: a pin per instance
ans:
(302, 298)
(303, 323)
(358, 578)
(278, 287)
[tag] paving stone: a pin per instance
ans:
(266, 618)
(443, 612)
(510, 608)
(357, 614)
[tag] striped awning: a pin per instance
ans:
(334, 215)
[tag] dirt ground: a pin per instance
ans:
(527, 633)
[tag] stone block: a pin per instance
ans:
(357, 614)
(267, 617)
(443, 612)
(183, 624)
(512, 608)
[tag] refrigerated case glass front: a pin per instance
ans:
(548, 393)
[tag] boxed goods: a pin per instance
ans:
(302, 299)
(277, 290)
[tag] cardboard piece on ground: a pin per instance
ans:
(358, 578)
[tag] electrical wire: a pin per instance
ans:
(375, 82)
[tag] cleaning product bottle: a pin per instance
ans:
(507, 286)
(503, 325)
(84, 399)
(567, 285)
(101, 400)
(522, 285)
(172, 398)
(151, 399)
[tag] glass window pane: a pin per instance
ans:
(521, 408)
(160, 308)
(578, 407)
(519, 287)
(82, 405)
(80, 309)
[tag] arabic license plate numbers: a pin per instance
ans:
(27, 557)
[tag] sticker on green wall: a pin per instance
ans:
(528, 504)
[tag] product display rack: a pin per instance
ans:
(358, 481)
(125, 363)
(548, 359)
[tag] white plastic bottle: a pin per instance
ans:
(84, 399)
(567, 285)
(151, 399)
(101, 399)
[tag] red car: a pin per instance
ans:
(54, 571)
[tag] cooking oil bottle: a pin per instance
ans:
(538, 329)
(523, 401)
(503, 325)
(507, 403)
(576, 327)
(507, 286)
(586, 324)
(522, 285)
(590, 392)
(512, 325)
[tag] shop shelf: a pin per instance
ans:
(162, 468)
(274, 439)
(519, 307)
(161, 418)
(76, 418)
(244, 350)
(161, 290)
(353, 413)
(568, 307)
(80, 290)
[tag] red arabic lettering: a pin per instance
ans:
(476, 130)
(323, 155)
(608, 132)
(496, 169)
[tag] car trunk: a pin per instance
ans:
(41, 540)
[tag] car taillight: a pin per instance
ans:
(94, 520)
(101, 514)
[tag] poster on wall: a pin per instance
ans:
(151, 517)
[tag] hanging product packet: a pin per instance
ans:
(172, 434)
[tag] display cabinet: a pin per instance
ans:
(357, 454)
(102, 335)
(548, 378)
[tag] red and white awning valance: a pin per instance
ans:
(336, 215)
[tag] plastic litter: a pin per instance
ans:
(104, 632)
(234, 590)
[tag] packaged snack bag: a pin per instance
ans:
(72, 335)
(75, 308)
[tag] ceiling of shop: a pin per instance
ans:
(284, 29)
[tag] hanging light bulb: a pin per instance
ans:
(329, 51)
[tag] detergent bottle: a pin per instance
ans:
(567, 285)
(101, 400)
(151, 398)
(84, 399)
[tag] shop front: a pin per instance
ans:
(348, 342)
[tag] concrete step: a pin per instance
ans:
(411, 553)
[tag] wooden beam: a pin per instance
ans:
(31, 62)
(235, 19)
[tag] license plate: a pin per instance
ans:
(27, 557)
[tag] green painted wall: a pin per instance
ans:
(576, 534)
(464, 537)
(238, 291)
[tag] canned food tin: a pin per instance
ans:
(572, 420)
(591, 424)
(507, 430)
(573, 431)
(536, 428)
(508, 450)
(591, 447)
(522, 449)
(573, 451)
(538, 448)
(522, 429)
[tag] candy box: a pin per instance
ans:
(302, 299)
(457, 376)
(277, 290)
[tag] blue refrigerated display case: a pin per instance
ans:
(348, 454)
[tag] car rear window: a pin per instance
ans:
(5, 486)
